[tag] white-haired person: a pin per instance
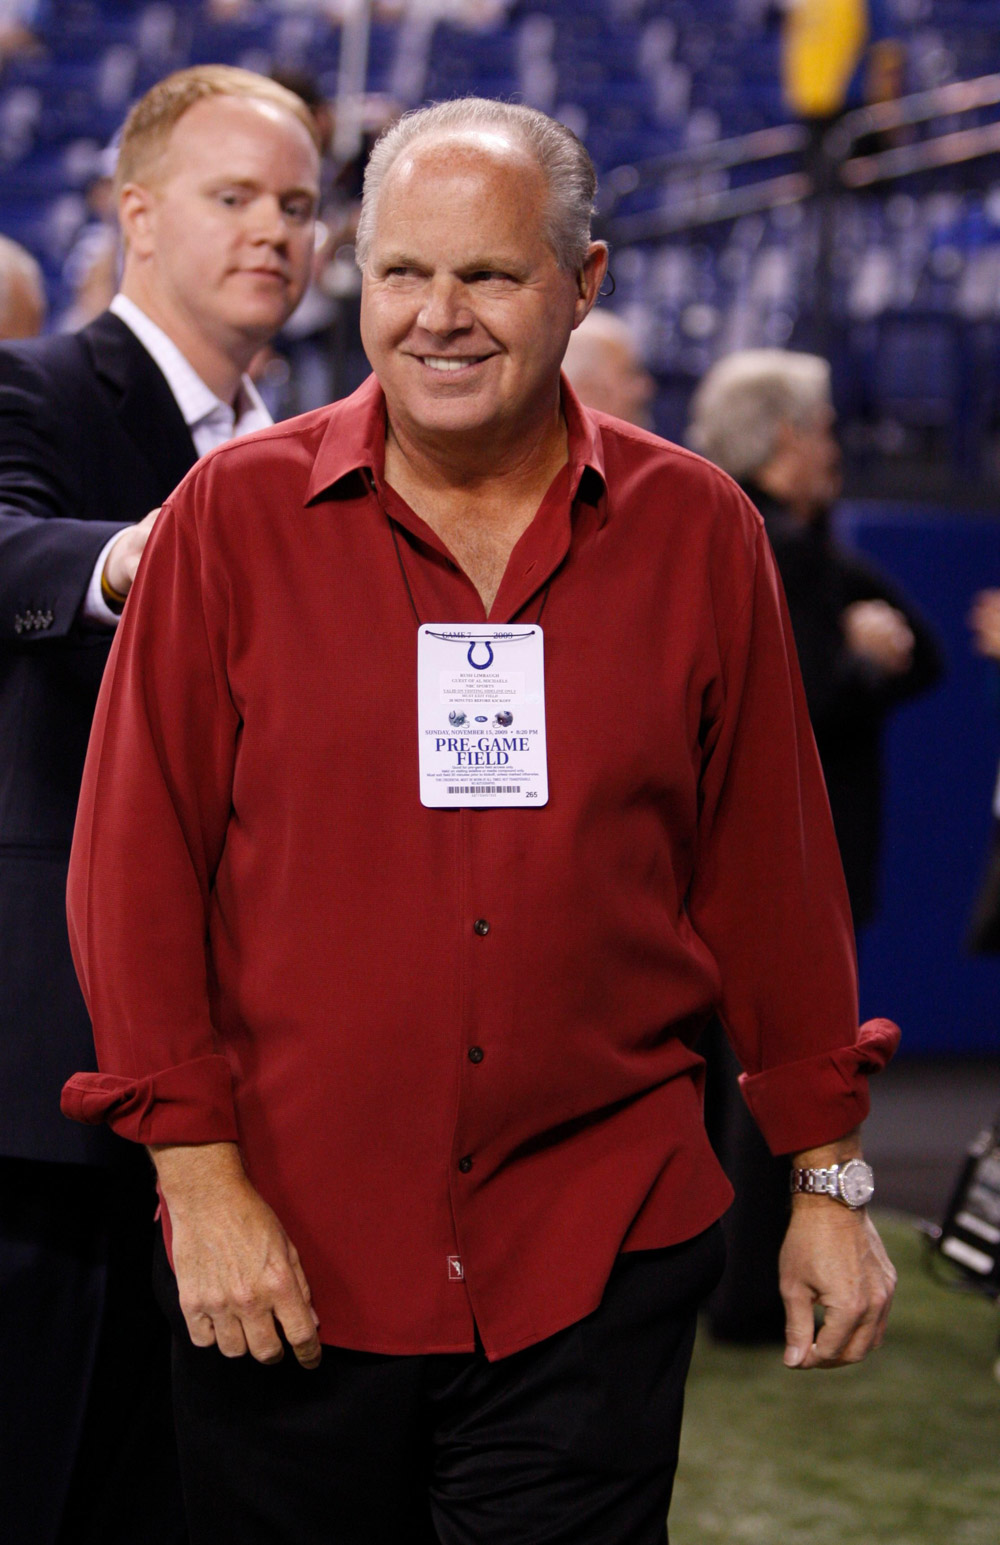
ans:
(456, 732)
(766, 416)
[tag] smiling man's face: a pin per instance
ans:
(465, 312)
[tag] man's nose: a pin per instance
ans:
(444, 308)
(269, 223)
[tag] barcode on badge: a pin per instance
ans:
(486, 788)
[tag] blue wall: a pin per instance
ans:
(941, 761)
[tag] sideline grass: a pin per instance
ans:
(903, 1450)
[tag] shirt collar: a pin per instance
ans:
(196, 401)
(354, 440)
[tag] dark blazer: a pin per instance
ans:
(848, 700)
(91, 439)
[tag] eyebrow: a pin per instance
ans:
(481, 263)
(220, 180)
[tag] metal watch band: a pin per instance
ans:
(851, 1183)
(815, 1182)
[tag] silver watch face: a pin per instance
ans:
(856, 1183)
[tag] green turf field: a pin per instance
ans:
(903, 1450)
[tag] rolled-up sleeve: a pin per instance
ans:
(154, 809)
(187, 1101)
(835, 1083)
(769, 896)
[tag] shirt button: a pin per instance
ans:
(465, 1164)
(476, 1054)
(481, 926)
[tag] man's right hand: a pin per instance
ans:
(880, 634)
(123, 559)
(238, 1274)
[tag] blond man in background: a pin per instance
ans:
(216, 187)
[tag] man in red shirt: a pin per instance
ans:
(398, 933)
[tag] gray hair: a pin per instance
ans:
(741, 403)
(561, 157)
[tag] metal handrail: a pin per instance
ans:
(711, 208)
(701, 208)
(960, 96)
(902, 160)
(719, 155)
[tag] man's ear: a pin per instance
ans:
(590, 278)
(137, 218)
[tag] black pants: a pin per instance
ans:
(85, 1432)
(569, 1442)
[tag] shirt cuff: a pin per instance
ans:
(190, 1103)
(822, 1098)
(95, 608)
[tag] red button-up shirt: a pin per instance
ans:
(459, 1125)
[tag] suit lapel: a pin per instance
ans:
(147, 408)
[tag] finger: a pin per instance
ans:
(881, 1325)
(295, 1262)
(299, 1325)
(229, 1337)
(200, 1328)
(882, 1319)
(848, 1333)
(262, 1339)
(799, 1328)
(300, 1277)
(840, 1349)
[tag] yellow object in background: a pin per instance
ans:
(822, 43)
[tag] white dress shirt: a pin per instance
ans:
(210, 420)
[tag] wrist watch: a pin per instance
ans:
(852, 1183)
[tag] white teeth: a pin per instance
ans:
(437, 363)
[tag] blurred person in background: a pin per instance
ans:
(17, 22)
(605, 369)
(884, 82)
(217, 186)
(23, 305)
(93, 264)
(766, 417)
(984, 931)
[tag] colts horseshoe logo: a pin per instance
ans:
(476, 641)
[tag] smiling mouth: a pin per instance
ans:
(451, 364)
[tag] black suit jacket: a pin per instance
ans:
(848, 700)
(91, 439)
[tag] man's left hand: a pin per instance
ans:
(833, 1258)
